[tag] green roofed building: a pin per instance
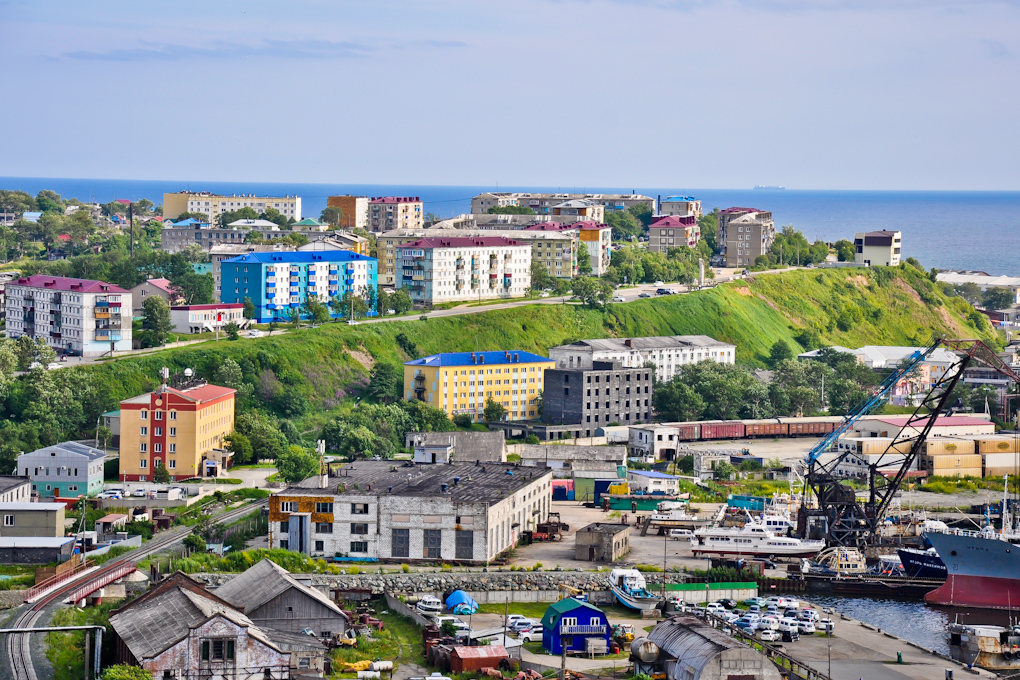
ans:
(572, 622)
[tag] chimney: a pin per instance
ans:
(629, 342)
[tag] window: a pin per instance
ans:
(359, 529)
(465, 545)
(8, 520)
(359, 546)
(173, 448)
(288, 506)
(323, 528)
(319, 546)
(173, 464)
(173, 415)
(158, 448)
(173, 432)
(158, 415)
(401, 543)
(158, 432)
(143, 463)
(143, 447)
(144, 432)
(145, 415)
(324, 507)
(433, 544)
(359, 508)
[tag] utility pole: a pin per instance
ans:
(131, 224)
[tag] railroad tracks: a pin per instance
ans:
(17, 644)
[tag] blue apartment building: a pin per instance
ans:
(276, 282)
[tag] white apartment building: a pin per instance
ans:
(437, 270)
(680, 206)
(667, 352)
(878, 248)
(543, 203)
(214, 205)
(462, 512)
(395, 212)
(75, 316)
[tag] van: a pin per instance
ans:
(681, 534)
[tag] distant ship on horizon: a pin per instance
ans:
(769, 187)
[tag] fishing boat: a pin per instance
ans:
(676, 514)
(629, 587)
(752, 539)
(429, 605)
(919, 563)
(993, 648)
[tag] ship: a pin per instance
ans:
(922, 563)
(676, 514)
(769, 187)
(982, 569)
(993, 648)
(752, 539)
(629, 587)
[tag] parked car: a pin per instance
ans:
(680, 534)
(352, 322)
(772, 622)
(618, 298)
(714, 608)
(747, 624)
(645, 294)
(255, 333)
(543, 294)
(659, 283)
(730, 616)
(791, 635)
(728, 603)
(514, 617)
(754, 600)
(755, 609)
(523, 624)
(663, 291)
(769, 635)
(766, 564)
(35, 364)
(139, 493)
(825, 625)
(787, 624)
(806, 627)
(808, 614)
(533, 634)
(54, 365)
(792, 613)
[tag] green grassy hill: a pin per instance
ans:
(845, 307)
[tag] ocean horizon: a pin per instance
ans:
(970, 230)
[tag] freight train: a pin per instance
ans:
(659, 441)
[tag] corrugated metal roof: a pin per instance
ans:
(481, 652)
(263, 582)
(691, 643)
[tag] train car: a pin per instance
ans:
(688, 432)
(812, 427)
(722, 429)
(771, 427)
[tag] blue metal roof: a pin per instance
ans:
(651, 473)
(477, 358)
(679, 198)
(303, 256)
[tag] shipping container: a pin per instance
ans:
(956, 472)
(949, 463)
(1010, 460)
(688, 432)
(999, 443)
(765, 428)
(722, 429)
(937, 446)
(993, 472)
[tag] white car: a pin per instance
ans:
(769, 635)
(772, 622)
(715, 608)
(786, 625)
(680, 534)
(659, 283)
(543, 294)
(352, 322)
(825, 625)
(255, 333)
(730, 616)
(809, 615)
(54, 365)
(514, 617)
(806, 627)
(618, 298)
(139, 493)
(34, 365)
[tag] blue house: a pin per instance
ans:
(277, 282)
(576, 621)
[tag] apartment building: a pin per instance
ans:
(543, 203)
(153, 287)
(437, 270)
(578, 210)
(279, 281)
(14, 488)
(66, 469)
(354, 209)
(555, 248)
(75, 316)
(461, 382)
(214, 205)
(386, 213)
(596, 397)
(6, 278)
(680, 206)
(460, 512)
(207, 318)
(598, 239)
(667, 352)
(176, 427)
(878, 248)
(175, 237)
(746, 233)
(673, 232)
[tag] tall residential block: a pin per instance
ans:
(597, 396)
(746, 233)
(461, 382)
(673, 232)
(395, 212)
(437, 270)
(76, 316)
(354, 209)
(598, 239)
(543, 203)
(215, 205)
(878, 248)
(176, 428)
(277, 282)
(680, 206)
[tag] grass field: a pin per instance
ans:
(400, 641)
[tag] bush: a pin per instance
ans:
(463, 421)
(404, 568)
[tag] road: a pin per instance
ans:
(17, 647)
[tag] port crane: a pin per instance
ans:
(841, 517)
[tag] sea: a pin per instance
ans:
(967, 230)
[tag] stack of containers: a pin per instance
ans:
(951, 457)
(998, 454)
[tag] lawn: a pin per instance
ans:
(400, 641)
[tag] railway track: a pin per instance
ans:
(17, 644)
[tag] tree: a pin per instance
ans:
(28, 351)
(625, 226)
(583, 260)
(294, 316)
(241, 446)
(463, 421)
(724, 471)
(494, 411)
(997, 298)
(676, 401)
(231, 329)
(541, 279)
(332, 214)
(125, 672)
(103, 434)
(229, 374)
(594, 293)
(511, 210)
(245, 213)
(161, 475)
(382, 301)
(845, 251)
(296, 464)
(401, 301)
(353, 306)
(195, 542)
(386, 382)
(780, 352)
(156, 318)
(709, 224)
(315, 310)
(642, 212)
(249, 309)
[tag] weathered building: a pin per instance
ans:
(14, 488)
(667, 352)
(597, 396)
(460, 447)
(601, 542)
(689, 648)
(32, 520)
(64, 469)
(458, 512)
(568, 456)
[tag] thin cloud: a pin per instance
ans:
(276, 49)
(995, 49)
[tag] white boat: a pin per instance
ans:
(429, 605)
(751, 539)
(673, 512)
(629, 587)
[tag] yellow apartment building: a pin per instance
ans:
(461, 382)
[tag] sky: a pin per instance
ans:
(809, 94)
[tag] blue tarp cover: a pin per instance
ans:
(458, 598)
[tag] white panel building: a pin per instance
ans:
(666, 352)
(437, 270)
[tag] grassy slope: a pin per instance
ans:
(750, 314)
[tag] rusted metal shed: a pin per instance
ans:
(470, 659)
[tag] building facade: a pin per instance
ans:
(207, 318)
(438, 270)
(673, 232)
(214, 205)
(878, 248)
(354, 209)
(76, 316)
(578, 210)
(461, 512)
(543, 203)
(337, 240)
(667, 352)
(650, 481)
(461, 382)
(277, 282)
(67, 469)
(606, 393)
(176, 237)
(395, 212)
(598, 239)
(178, 428)
(40, 520)
(748, 233)
(680, 206)
(602, 542)
(153, 287)
(15, 489)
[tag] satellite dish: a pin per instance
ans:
(187, 372)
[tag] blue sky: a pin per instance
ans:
(839, 94)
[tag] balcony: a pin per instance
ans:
(582, 630)
(102, 315)
(270, 284)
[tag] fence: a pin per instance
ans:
(404, 610)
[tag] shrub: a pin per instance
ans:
(404, 568)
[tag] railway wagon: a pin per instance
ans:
(688, 432)
(766, 428)
(813, 426)
(722, 429)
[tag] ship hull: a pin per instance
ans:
(981, 572)
(640, 603)
(922, 565)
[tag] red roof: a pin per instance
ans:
(123, 201)
(462, 242)
(943, 421)
(64, 283)
(64, 237)
(162, 284)
(589, 224)
(396, 199)
(479, 652)
(549, 226)
(230, 305)
(205, 392)
(674, 222)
